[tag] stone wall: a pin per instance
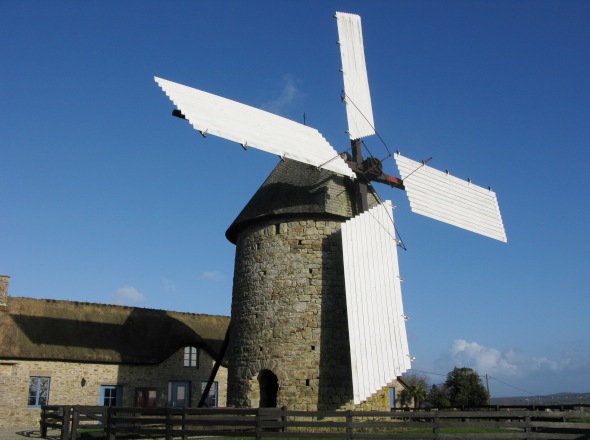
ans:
(4, 279)
(289, 315)
(380, 401)
(66, 383)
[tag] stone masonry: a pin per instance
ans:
(289, 315)
(4, 279)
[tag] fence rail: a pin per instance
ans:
(169, 423)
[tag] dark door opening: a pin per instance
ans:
(269, 388)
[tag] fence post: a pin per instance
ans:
(109, 424)
(65, 427)
(42, 425)
(349, 426)
(436, 427)
(184, 436)
(258, 426)
(75, 421)
(168, 425)
(283, 419)
(527, 429)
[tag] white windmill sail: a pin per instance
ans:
(252, 127)
(376, 322)
(354, 70)
(446, 198)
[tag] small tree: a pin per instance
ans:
(438, 396)
(404, 398)
(416, 391)
(464, 387)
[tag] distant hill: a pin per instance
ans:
(552, 399)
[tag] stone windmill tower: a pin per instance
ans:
(317, 317)
(289, 319)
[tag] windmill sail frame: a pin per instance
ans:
(451, 200)
(377, 333)
(357, 96)
(252, 127)
(376, 321)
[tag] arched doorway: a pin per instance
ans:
(269, 388)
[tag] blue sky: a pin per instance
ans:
(107, 198)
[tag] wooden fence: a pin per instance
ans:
(70, 419)
(169, 423)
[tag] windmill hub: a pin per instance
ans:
(371, 168)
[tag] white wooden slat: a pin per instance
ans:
(377, 333)
(359, 110)
(380, 272)
(397, 310)
(390, 275)
(354, 311)
(441, 185)
(378, 329)
(354, 307)
(253, 127)
(437, 205)
(438, 179)
(391, 332)
(394, 306)
(446, 198)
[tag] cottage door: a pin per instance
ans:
(179, 394)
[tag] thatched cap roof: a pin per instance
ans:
(297, 189)
(85, 332)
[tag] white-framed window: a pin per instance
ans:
(191, 357)
(212, 398)
(38, 391)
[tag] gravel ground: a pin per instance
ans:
(33, 433)
(25, 433)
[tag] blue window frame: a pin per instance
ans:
(111, 395)
(38, 391)
(392, 398)
(212, 398)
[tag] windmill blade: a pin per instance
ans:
(359, 110)
(252, 127)
(376, 322)
(440, 196)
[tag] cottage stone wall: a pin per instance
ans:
(66, 383)
(380, 401)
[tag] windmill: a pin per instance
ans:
(376, 342)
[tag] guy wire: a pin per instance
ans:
(362, 114)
